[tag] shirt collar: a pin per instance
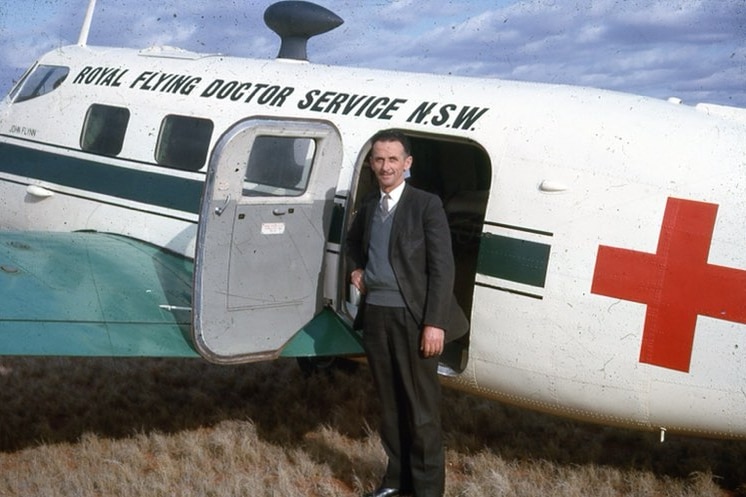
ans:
(394, 195)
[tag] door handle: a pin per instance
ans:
(219, 210)
(38, 191)
(281, 212)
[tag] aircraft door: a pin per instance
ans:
(265, 214)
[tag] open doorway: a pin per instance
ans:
(459, 172)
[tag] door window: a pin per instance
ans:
(279, 166)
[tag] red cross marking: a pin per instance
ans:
(676, 283)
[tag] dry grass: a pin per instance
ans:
(159, 427)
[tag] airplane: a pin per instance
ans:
(160, 202)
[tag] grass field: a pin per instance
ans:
(160, 427)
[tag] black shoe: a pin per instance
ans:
(384, 492)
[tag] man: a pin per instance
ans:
(399, 250)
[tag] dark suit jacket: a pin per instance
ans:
(421, 256)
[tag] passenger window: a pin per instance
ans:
(183, 142)
(39, 81)
(104, 128)
(279, 165)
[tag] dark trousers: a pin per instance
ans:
(409, 395)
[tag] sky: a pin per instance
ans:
(694, 50)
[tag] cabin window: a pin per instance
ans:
(279, 165)
(39, 81)
(183, 142)
(104, 128)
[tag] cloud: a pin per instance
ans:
(694, 49)
(654, 48)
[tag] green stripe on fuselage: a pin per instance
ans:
(513, 259)
(163, 190)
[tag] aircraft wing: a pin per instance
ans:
(99, 294)
(92, 294)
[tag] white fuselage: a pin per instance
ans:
(570, 170)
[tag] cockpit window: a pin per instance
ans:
(40, 81)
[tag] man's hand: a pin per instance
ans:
(432, 341)
(357, 279)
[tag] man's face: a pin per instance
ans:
(389, 161)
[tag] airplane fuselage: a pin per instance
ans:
(597, 234)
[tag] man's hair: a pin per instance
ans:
(392, 135)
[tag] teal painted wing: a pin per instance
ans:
(92, 294)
